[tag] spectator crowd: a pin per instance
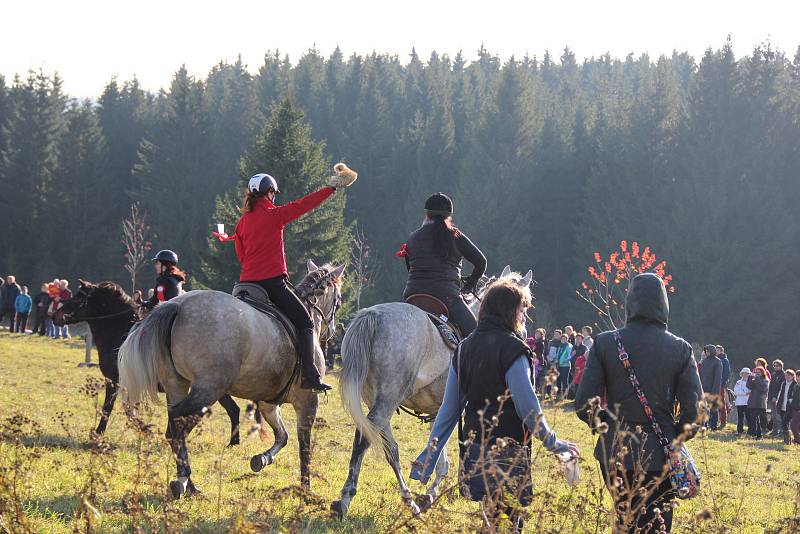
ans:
(28, 314)
(766, 402)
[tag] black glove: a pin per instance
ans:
(468, 286)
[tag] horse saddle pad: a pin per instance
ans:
(437, 312)
(257, 297)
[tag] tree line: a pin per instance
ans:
(548, 160)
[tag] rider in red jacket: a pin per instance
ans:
(259, 246)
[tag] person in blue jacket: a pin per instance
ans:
(22, 306)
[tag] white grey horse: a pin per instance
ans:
(391, 355)
(204, 344)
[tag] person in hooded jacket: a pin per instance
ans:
(667, 373)
(169, 281)
(711, 380)
(433, 255)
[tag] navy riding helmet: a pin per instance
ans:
(262, 183)
(166, 255)
(439, 204)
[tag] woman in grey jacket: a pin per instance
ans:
(757, 403)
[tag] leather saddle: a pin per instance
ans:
(438, 314)
(257, 297)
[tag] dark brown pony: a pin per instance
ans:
(111, 313)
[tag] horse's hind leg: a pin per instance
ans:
(360, 446)
(393, 457)
(272, 414)
(306, 408)
(108, 405)
(441, 469)
(232, 410)
(183, 417)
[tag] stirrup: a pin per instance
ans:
(317, 386)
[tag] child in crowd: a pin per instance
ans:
(22, 307)
(742, 395)
(578, 366)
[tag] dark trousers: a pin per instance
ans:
(634, 514)
(460, 314)
(741, 417)
(713, 418)
(10, 313)
(21, 323)
(286, 301)
(786, 418)
(563, 380)
(756, 421)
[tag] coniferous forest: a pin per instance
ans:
(548, 160)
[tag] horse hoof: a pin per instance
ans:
(177, 488)
(338, 511)
(233, 442)
(193, 490)
(424, 501)
(259, 462)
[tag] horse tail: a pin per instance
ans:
(356, 354)
(140, 354)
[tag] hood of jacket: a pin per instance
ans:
(647, 300)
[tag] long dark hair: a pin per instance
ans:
(444, 235)
(249, 201)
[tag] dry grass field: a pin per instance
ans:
(53, 479)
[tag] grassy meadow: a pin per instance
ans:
(52, 480)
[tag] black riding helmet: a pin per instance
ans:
(166, 255)
(439, 204)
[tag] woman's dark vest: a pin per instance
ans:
(429, 272)
(486, 356)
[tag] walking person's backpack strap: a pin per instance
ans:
(683, 473)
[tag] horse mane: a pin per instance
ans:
(311, 284)
(115, 290)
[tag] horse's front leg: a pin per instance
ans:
(271, 414)
(108, 405)
(306, 409)
(442, 467)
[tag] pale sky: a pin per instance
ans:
(90, 41)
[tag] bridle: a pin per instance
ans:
(85, 302)
(310, 298)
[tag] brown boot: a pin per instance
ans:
(309, 375)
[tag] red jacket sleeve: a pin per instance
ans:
(291, 211)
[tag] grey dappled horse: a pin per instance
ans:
(204, 344)
(391, 355)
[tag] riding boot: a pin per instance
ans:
(309, 375)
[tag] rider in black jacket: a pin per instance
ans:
(169, 283)
(433, 257)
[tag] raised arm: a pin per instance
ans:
(296, 208)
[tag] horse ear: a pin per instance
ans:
(339, 271)
(311, 266)
(526, 280)
(84, 283)
(506, 271)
